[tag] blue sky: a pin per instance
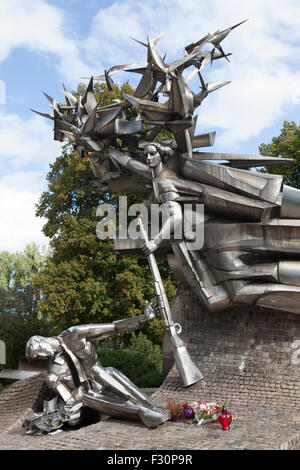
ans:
(46, 42)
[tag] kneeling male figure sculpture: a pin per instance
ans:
(79, 380)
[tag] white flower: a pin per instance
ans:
(200, 422)
(211, 405)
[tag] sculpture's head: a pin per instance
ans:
(157, 153)
(153, 156)
(38, 347)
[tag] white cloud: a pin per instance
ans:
(18, 224)
(40, 27)
(28, 181)
(264, 67)
(25, 142)
(27, 148)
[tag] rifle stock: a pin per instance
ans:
(188, 370)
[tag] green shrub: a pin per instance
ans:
(143, 345)
(141, 362)
(16, 331)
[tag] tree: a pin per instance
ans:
(286, 145)
(19, 318)
(85, 280)
(17, 271)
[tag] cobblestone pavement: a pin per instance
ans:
(247, 432)
(253, 429)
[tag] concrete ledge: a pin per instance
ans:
(9, 376)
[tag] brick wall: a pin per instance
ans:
(19, 398)
(245, 354)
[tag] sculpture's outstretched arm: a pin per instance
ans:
(135, 323)
(104, 330)
(124, 160)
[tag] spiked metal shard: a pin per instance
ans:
(158, 38)
(215, 86)
(70, 99)
(42, 114)
(112, 71)
(146, 83)
(197, 44)
(157, 60)
(219, 36)
(247, 214)
(48, 98)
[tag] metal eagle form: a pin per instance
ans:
(251, 249)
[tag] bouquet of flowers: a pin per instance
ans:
(207, 412)
(199, 412)
(176, 410)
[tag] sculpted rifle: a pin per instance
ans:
(187, 368)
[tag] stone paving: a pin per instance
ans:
(253, 429)
(118, 435)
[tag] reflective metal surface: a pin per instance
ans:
(188, 370)
(78, 380)
(251, 250)
(290, 206)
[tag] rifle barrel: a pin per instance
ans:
(188, 369)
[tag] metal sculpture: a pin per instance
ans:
(187, 368)
(78, 380)
(251, 250)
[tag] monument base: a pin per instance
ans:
(249, 356)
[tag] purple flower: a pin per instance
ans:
(189, 413)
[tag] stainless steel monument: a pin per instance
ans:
(251, 249)
(78, 380)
